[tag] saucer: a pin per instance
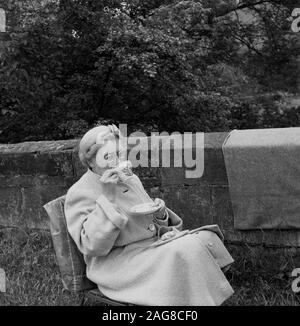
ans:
(145, 208)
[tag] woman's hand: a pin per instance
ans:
(161, 212)
(110, 176)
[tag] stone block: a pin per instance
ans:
(51, 164)
(221, 207)
(10, 205)
(191, 203)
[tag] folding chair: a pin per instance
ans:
(70, 260)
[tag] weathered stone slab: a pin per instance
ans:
(33, 173)
(154, 191)
(221, 206)
(39, 146)
(214, 165)
(191, 203)
(28, 181)
(10, 205)
(23, 207)
(32, 213)
(51, 164)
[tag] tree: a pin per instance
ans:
(156, 65)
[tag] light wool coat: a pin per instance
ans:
(127, 259)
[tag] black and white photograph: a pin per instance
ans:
(149, 156)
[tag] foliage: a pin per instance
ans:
(156, 65)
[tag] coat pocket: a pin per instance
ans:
(215, 246)
(213, 228)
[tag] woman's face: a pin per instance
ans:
(111, 153)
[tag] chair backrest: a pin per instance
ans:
(70, 259)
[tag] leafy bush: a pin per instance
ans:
(155, 65)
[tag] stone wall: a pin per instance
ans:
(33, 173)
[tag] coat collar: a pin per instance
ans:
(93, 174)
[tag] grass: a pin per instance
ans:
(262, 276)
(31, 271)
(259, 276)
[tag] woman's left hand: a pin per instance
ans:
(160, 213)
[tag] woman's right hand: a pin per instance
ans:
(110, 176)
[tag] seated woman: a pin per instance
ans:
(136, 256)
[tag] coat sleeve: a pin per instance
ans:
(94, 225)
(171, 219)
(174, 220)
(164, 221)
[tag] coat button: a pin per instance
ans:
(151, 227)
(210, 244)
